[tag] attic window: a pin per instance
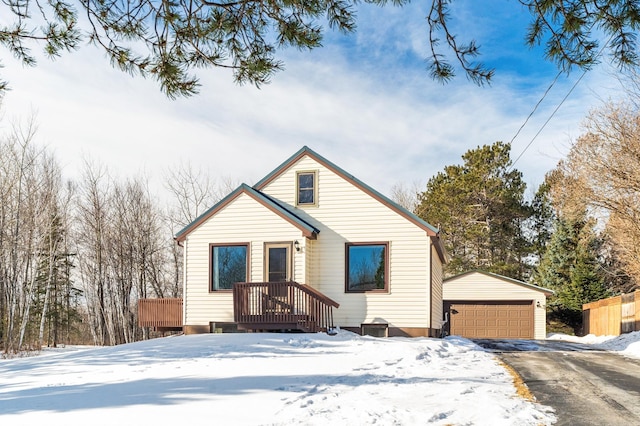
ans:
(306, 183)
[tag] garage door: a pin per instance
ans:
(492, 319)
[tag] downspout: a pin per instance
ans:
(430, 286)
(184, 285)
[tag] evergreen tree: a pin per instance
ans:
(554, 271)
(57, 299)
(587, 283)
(169, 40)
(571, 267)
(541, 223)
(480, 209)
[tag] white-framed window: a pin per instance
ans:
(307, 188)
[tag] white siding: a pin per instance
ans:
(478, 286)
(344, 213)
(436, 292)
(242, 221)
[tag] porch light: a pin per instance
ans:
(296, 245)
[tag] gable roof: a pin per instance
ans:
(503, 278)
(431, 231)
(307, 229)
(306, 151)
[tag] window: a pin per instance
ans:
(366, 267)
(306, 188)
(228, 265)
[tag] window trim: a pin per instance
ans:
(315, 188)
(386, 266)
(248, 263)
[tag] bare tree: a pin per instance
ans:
(19, 230)
(30, 229)
(602, 176)
(406, 196)
(124, 253)
(193, 191)
(90, 236)
(110, 236)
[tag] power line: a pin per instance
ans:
(535, 107)
(554, 111)
(548, 119)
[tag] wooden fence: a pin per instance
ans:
(612, 316)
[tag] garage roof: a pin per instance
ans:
(502, 277)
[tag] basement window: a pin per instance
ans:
(375, 330)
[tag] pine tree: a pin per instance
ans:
(168, 41)
(554, 271)
(480, 209)
(57, 298)
(571, 267)
(541, 222)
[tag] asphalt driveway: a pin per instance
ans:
(584, 385)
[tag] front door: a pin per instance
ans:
(278, 262)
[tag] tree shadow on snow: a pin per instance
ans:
(66, 398)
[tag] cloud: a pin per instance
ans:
(373, 112)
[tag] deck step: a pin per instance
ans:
(305, 326)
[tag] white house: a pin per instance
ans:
(330, 239)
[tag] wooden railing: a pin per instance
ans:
(612, 316)
(282, 306)
(161, 314)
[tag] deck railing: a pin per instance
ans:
(282, 305)
(161, 314)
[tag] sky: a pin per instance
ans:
(363, 100)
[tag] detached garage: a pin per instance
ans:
(483, 305)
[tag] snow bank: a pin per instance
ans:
(267, 379)
(627, 344)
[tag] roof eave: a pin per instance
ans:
(307, 230)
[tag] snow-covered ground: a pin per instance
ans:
(627, 344)
(266, 379)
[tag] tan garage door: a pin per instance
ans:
(492, 319)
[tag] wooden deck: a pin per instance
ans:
(282, 306)
(256, 307)
(160, 314)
